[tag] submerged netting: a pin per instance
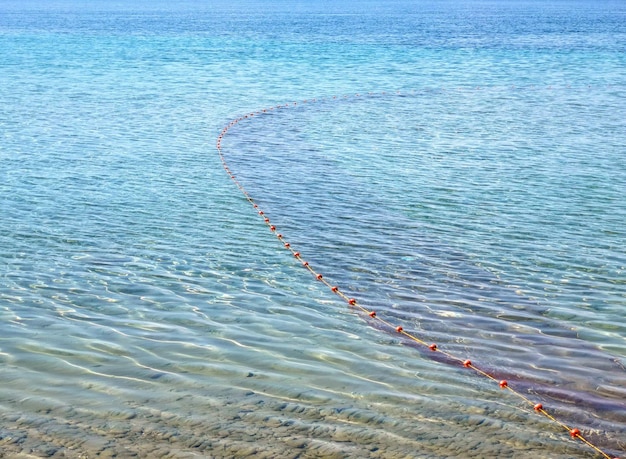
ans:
(396, 263)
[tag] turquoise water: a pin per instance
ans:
(147, 311)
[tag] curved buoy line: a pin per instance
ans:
(573, 432)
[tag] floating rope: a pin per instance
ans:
(573, 432)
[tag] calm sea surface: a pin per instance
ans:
(473, 192)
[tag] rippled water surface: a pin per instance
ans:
(466, 182)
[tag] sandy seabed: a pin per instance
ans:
(241, 424)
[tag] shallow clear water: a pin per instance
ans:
(146, 310)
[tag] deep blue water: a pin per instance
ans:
(472, 192)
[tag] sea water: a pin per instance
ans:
(457, 166)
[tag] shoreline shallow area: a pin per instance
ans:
(247, 424)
